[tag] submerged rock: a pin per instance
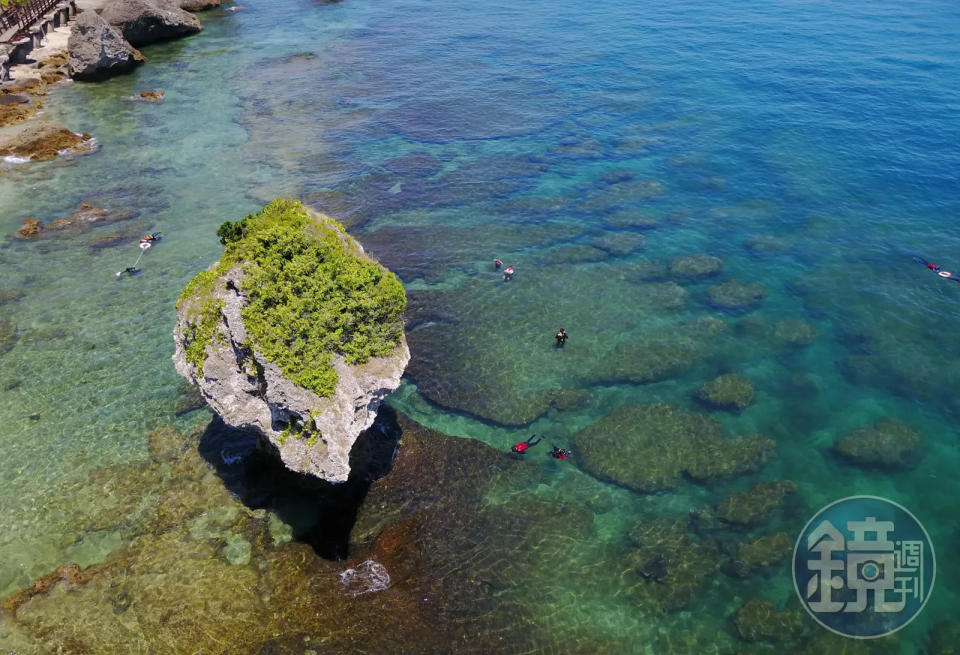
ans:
(31, 227)
(67, 576)
(758, 620)
(147, 21)
(8, 335)
(418, 164)
(728, 392)
(621, 195)
(41, 141)
(699, 265)
(631, 219)
(794, 332)
(618, 175)
(660, 354)
(82, 217)
(178, 582)
(86, 215)
(10, 295)
(887, 444)
(755, 506)
(296, 334)
(763, 243)
(155, 97)
(672, 565)
(663, 442)
(98, 50)
(619, 243)
(761, 552)
(736, 295)
(829, 643)
(945, 638)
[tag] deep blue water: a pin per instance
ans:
(812, 146)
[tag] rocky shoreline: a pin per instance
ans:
(101, 42)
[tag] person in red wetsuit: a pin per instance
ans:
(523, 446)
(936, 269)
(560, 453)
(497, 264)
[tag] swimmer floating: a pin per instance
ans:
(145, 242)
(933, 267)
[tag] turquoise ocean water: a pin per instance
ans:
(812, 146)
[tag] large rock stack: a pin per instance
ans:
(98, 50)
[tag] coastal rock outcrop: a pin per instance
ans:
(294, 334)
(40, 141)
(147, 21)
(98, 50)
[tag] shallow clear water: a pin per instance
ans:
(812, 146)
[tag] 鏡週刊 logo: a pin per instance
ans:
(864, 567)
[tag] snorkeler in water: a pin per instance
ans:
(560, 453)
(524, 446)
(936, 269)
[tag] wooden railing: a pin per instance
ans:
(23, 14)
(9, 18)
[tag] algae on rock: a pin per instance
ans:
(665, 442)
(729, 392)
(294, 332)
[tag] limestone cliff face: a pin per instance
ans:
(313, 434)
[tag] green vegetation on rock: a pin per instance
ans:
(311, 295)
